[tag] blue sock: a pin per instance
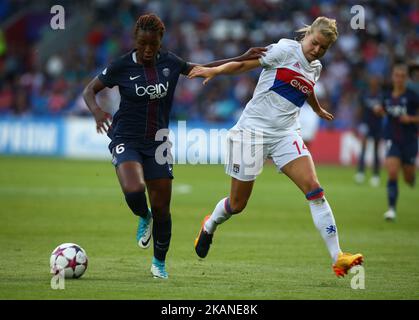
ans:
(158, 262)
(392, 193)
(162, 232)
(361, 161)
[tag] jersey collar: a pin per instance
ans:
(134, 56)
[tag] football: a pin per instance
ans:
(69, 259)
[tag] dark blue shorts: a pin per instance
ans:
(406, 152)
(370, 130)
(124, 152)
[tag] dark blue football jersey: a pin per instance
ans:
(406, 104)
(146, 96)
(367, 102)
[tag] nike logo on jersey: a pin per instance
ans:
(133, 78)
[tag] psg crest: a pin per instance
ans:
(166, 72)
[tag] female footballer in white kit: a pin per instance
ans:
(269, 128)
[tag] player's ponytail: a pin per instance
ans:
(326, 26)
(149, 22)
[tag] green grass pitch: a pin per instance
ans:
(270, 251)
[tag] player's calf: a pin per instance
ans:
(137, 202)
(235, 205)
(410, 180)
(324, 220)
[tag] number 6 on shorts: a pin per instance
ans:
(120, 148)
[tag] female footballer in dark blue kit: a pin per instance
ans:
(400, 105)
(370, 128)
(147, 78)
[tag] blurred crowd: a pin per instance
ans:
(198, 31)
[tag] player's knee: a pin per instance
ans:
(161, 211)
(392, 174)
(129, 187)
(410, 180)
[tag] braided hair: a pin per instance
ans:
(149, 22)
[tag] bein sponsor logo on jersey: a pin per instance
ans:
(397, 110)
(155, 91)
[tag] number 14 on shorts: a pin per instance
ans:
(303, 146)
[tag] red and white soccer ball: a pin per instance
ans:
(69, 259)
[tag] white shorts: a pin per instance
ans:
(246, 153)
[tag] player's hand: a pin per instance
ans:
(325, 115)
(405, 119)
(202, 72)
(378, 110)
(103, 121)
(254, 53)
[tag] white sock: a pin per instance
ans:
(218, 216)
(325, 222)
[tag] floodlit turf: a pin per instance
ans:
(271, 251)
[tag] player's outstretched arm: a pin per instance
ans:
(408, 119)
(315, 105)
(234, 67)
(252, 53)
(89, 95)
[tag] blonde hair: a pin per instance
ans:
(326, 26)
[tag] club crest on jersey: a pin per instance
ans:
(166, 72)
(154, 91)
(236, 168)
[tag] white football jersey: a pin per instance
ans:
(284, 84)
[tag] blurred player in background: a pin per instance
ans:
(413, 82)
(370, 127)
(269, 128)
(147, 78)
(400, 106)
